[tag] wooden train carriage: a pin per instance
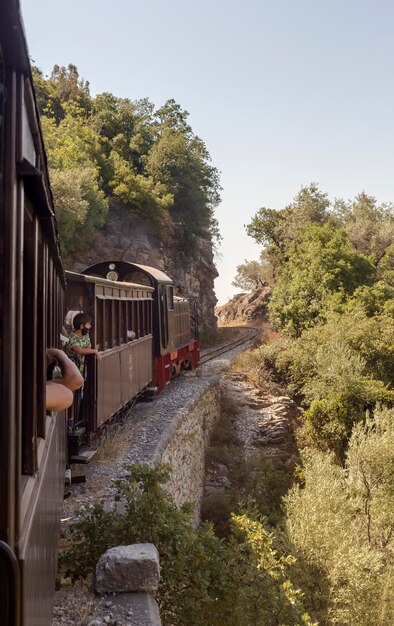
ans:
(175, 328)
(32, 443)
(122, 332)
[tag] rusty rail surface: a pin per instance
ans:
(212, 353)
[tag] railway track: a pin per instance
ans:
(212, 353)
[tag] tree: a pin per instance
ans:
(319, 265)
(370, 227)
(251, 275)
(80, 206)
(145, 164)
(182, 164)
(276, 230)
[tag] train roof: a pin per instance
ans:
(86, 278)
(123, 268)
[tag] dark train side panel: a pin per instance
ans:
(40, 524)
(31, 305)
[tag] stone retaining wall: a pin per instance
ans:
(185, 452)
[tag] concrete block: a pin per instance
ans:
(128, 568)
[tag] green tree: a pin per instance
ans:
(276, 230)
(182, 164)
(370, 227)
(80, 206)
(252, 275)
(320, 264)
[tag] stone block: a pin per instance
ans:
(127, 569)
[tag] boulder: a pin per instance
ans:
(128, 569)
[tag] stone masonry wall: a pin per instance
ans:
(175, 430)
(185, 452)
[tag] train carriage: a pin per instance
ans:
(32, 282)
(175, 319)
(122, 332)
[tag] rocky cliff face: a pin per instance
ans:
(245, 308)
(123, 239)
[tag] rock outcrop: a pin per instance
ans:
(245, 308)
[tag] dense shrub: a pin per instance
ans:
(340, 527)
(205, 581)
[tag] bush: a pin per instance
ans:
(340, 528)
(205, 581)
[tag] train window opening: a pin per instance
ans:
(147, 317)
(115, 323)
(142, 318)
(107, 323)
(41, 337)
(170, 298)
(135, 318)
(100, 324)
(29, 345)
(123, 321)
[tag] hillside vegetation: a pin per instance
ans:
(333, 305)
(112, 154)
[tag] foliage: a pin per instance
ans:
(370, 227)
(205, 580)
(340, 527)
(320, 264)
(181, 164)
(276, 230)
(253, 274)
(149, 163)
(81, 205)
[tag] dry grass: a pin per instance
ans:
(113, 443)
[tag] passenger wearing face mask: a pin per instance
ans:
(79, 343)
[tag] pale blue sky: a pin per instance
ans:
(283, 92)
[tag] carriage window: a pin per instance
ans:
(123, 321)
(107, 323)
(147, 317)
(29, 363)
(142, 318)
(115, 323)
(100, 323)
(163, 317)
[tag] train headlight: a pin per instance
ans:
(112, 275)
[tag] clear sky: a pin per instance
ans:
(283, 92)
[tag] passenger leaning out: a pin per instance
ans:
(59, 391)
(79, 343)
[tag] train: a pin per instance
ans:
(145, 333)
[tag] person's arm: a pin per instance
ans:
(78, 350)
(71, 376)
(57, 396)
(59, 392)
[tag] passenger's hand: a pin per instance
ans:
(98, 355)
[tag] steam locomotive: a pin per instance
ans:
(144, 332)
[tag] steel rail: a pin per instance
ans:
(212, 353)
